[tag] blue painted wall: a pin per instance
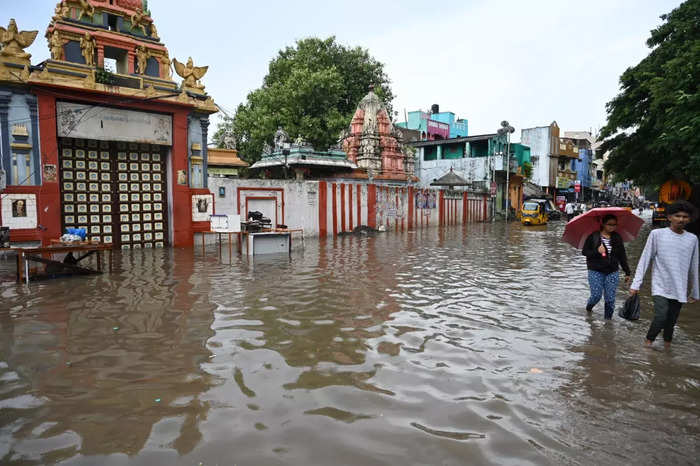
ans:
(582, 166)
(458, 128)
(19, 107)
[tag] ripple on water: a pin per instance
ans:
(435, 347)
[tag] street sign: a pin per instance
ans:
(494, 188)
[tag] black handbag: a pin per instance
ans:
(630, 310)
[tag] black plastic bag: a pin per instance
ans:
(630, 310)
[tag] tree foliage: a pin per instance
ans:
(653, 127)
(312, 90)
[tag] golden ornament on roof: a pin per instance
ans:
(190, 73)
(14, 42)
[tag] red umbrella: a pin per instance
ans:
(578, 229)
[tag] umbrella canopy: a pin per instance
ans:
(578, 229)
(450, 179)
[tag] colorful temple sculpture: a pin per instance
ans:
(372, 148)
(376, 144)
(100, 136)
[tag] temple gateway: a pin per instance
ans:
(101, 136)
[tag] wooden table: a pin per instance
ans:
(44, 255)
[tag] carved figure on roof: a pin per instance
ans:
(300, 141)
(141, 59)
(267, 149)
(87, 45)
(229, 140)
(138, 20)
(62, 11)
(154, 32)
(56, 44)
(14, 42)
(167, 66)
(190, 73)
(85, 7)
(280, 138)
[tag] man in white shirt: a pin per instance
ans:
(675, 255)
(569, 210)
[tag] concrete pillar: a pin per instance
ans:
(204, 123)
(439, 152)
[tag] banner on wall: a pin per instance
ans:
(113, 124)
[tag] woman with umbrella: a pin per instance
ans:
(605, 254)
(601, 232)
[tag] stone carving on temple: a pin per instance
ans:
(139, 19)
(374, 143)
(229, 140)
(280, 138)
(62, 11)
(154, 32)
(190, 74)
(14, 42)
(87, 45)
(141, 59)
(166, 66)
(56, 43)
(86, 9)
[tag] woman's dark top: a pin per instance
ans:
(614, 259)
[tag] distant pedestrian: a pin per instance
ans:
(569, 210)
(605, 254)
(674, 273)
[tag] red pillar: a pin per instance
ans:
(359, 205)
(322, 209)
(372, 206)
(342, 207)
(334, 208)
(486, 206)
(350, 207)
(464, 207)
(182, 198)
(441, 208)
(411, 207)
(49, 198)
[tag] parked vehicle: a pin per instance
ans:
(534, 213)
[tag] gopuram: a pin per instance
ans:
(375, 144)
(100, 136)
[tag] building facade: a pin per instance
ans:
(543, 142)
(104, 138)
(436, 125)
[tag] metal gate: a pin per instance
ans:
(116, 191)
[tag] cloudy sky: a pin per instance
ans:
(529, 62)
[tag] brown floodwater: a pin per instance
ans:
(436, 347)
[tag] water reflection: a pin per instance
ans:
(462, 345)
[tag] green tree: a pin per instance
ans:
(653, 127)
(312, 90)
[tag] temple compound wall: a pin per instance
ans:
(334, 206)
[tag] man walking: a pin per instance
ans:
(675, 256)
(569, 210)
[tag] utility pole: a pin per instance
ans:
(507, 130)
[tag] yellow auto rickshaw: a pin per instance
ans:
(534, 213)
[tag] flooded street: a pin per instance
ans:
(436, 347)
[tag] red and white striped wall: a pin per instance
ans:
(345, 206)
